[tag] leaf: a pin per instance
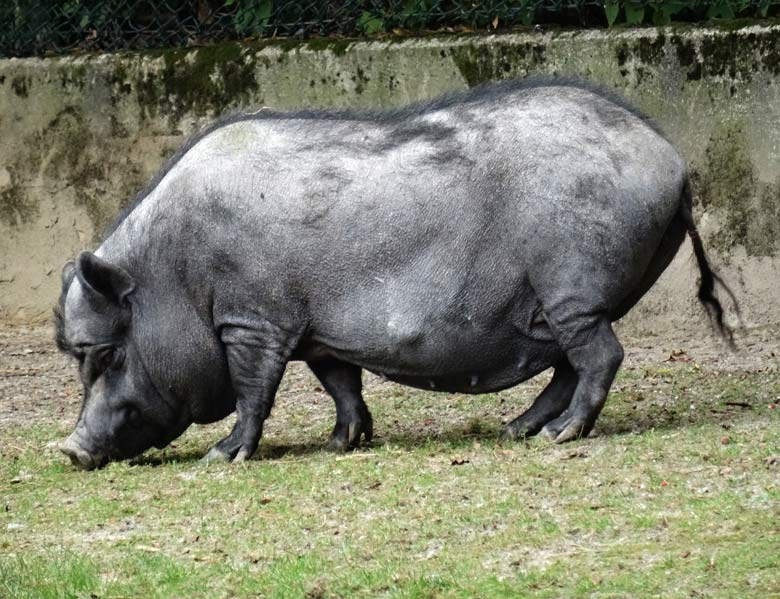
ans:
(370, 24)
(253, 18)
(230, 2)
(720, 10)
(84, 21)
(527, 14)
(611, 8)
(575, 453)
(661, 16)
(664, 10)
(242, 21)
(635, 13)
(69, 8)
(678, 355)
(264, 11)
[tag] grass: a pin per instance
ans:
(678, 495)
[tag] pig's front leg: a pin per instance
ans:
(257, 356)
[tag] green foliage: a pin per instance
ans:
(30, 27)
(413, 13)
(663, 12)
(369, 24)
(635, 13)
(611, 8)
(251, 17)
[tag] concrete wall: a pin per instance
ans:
(80, 135)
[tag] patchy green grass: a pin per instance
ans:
(677, 495)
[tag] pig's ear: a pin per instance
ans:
(106, 280)
(68, 272)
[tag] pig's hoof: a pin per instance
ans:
(566, 427)
(347, 436)
(520, 428)
(215, 455)
(512, 433)
(242, 456)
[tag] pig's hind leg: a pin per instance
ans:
(353, 420)
(576, 292)
(595, 354)
(550, 404)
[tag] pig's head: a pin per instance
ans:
(131, 402)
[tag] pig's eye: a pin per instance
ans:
(109, 357)
(134, 416)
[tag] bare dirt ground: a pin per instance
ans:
(38, 384)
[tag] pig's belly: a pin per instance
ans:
(504, 370)
(455, 360)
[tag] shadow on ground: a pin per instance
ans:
(485, 432)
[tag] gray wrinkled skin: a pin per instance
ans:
(462, 245)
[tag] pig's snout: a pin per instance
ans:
(81, 458)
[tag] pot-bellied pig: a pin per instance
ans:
(463, 245)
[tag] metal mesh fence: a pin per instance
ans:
(39, 27)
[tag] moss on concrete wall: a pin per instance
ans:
(481, 63)
(83, 134)
(17, 207)
(728, 185)
(203, 81)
